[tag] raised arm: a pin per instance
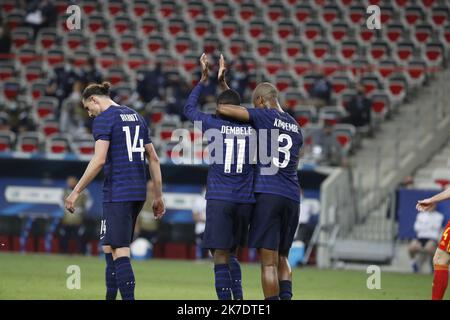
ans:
(94, 167)
(426, 204)
(190, 109)
(221, 75)
(155, 172)
(234, 112)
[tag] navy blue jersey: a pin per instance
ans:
(287, 146)
(125, 168)
(230, 177)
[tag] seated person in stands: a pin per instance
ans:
(71, 226)
(359, 109)
(320, 93)
(428, 226)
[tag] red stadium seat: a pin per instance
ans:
(7, 141)
(305, 115)
(15, 19)
(229, 28)
(7, 72)
(380, 104)
(340, 84)
(285, 30)
(195, 9)
(141, 8)
(29, 142)
(74, 40)
(312, 32)
(50, 128)
(293, 98)
(404, 52)
(38, 89)
(103, 41)
(302, 66)
(96, 23)
(33, 73)
(348, 51)
(394, 32)
(378, 52)
(412, 15)
(58, 144)
(89, 7)
(294, 48)
(386, 68)
(11, 89)
(434, 53)
(256, 29)
(237, 46)
(128, 42)
(303, 13)
(422, 34)
(46, 107)
(397, 88)
(47, 39)
(167, 9)
(320, 50)
(116, 7)
(8, 6)
(155, 44)
(55, 57)
(202, 28)
(221, 11)
(330, 14)
(338, 32)
(275, 12)
(21, 36)
(439, 16)
(357, 15)
(247, 11)
(149, 26)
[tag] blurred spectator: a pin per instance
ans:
(150, 84)
(5, 42)
(176, 94)
(309, 217)
(407, 183)
(18, 115)
(146, 224)
(199, 216)
(90, 74)
(71, 226)
(359, 108)
(41, 14)
(428, 226)
(4, 121)
(73, 118)
(239, 77)
(321, 91)
(328, 148)
(65, 82)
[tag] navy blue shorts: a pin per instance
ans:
(274, 222)
(118, 221)
(226, 224)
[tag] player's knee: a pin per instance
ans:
(441, 258)
(221, 256)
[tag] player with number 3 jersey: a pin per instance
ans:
(276, 213)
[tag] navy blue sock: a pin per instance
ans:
(223, 281)
(110, 277)
(273, 298)
(236, 278)
(285, 290)
(125, 278)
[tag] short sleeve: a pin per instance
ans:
(146, 131)
(102, 128)
(258, 117)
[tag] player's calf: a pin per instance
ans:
(441, 261)
(124, 274)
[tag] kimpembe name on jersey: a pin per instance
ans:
(285, 125)
(129, 117)
(244, 131)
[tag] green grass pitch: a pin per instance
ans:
(40, 276)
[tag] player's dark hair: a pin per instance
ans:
(229, 97)
(96, 89)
